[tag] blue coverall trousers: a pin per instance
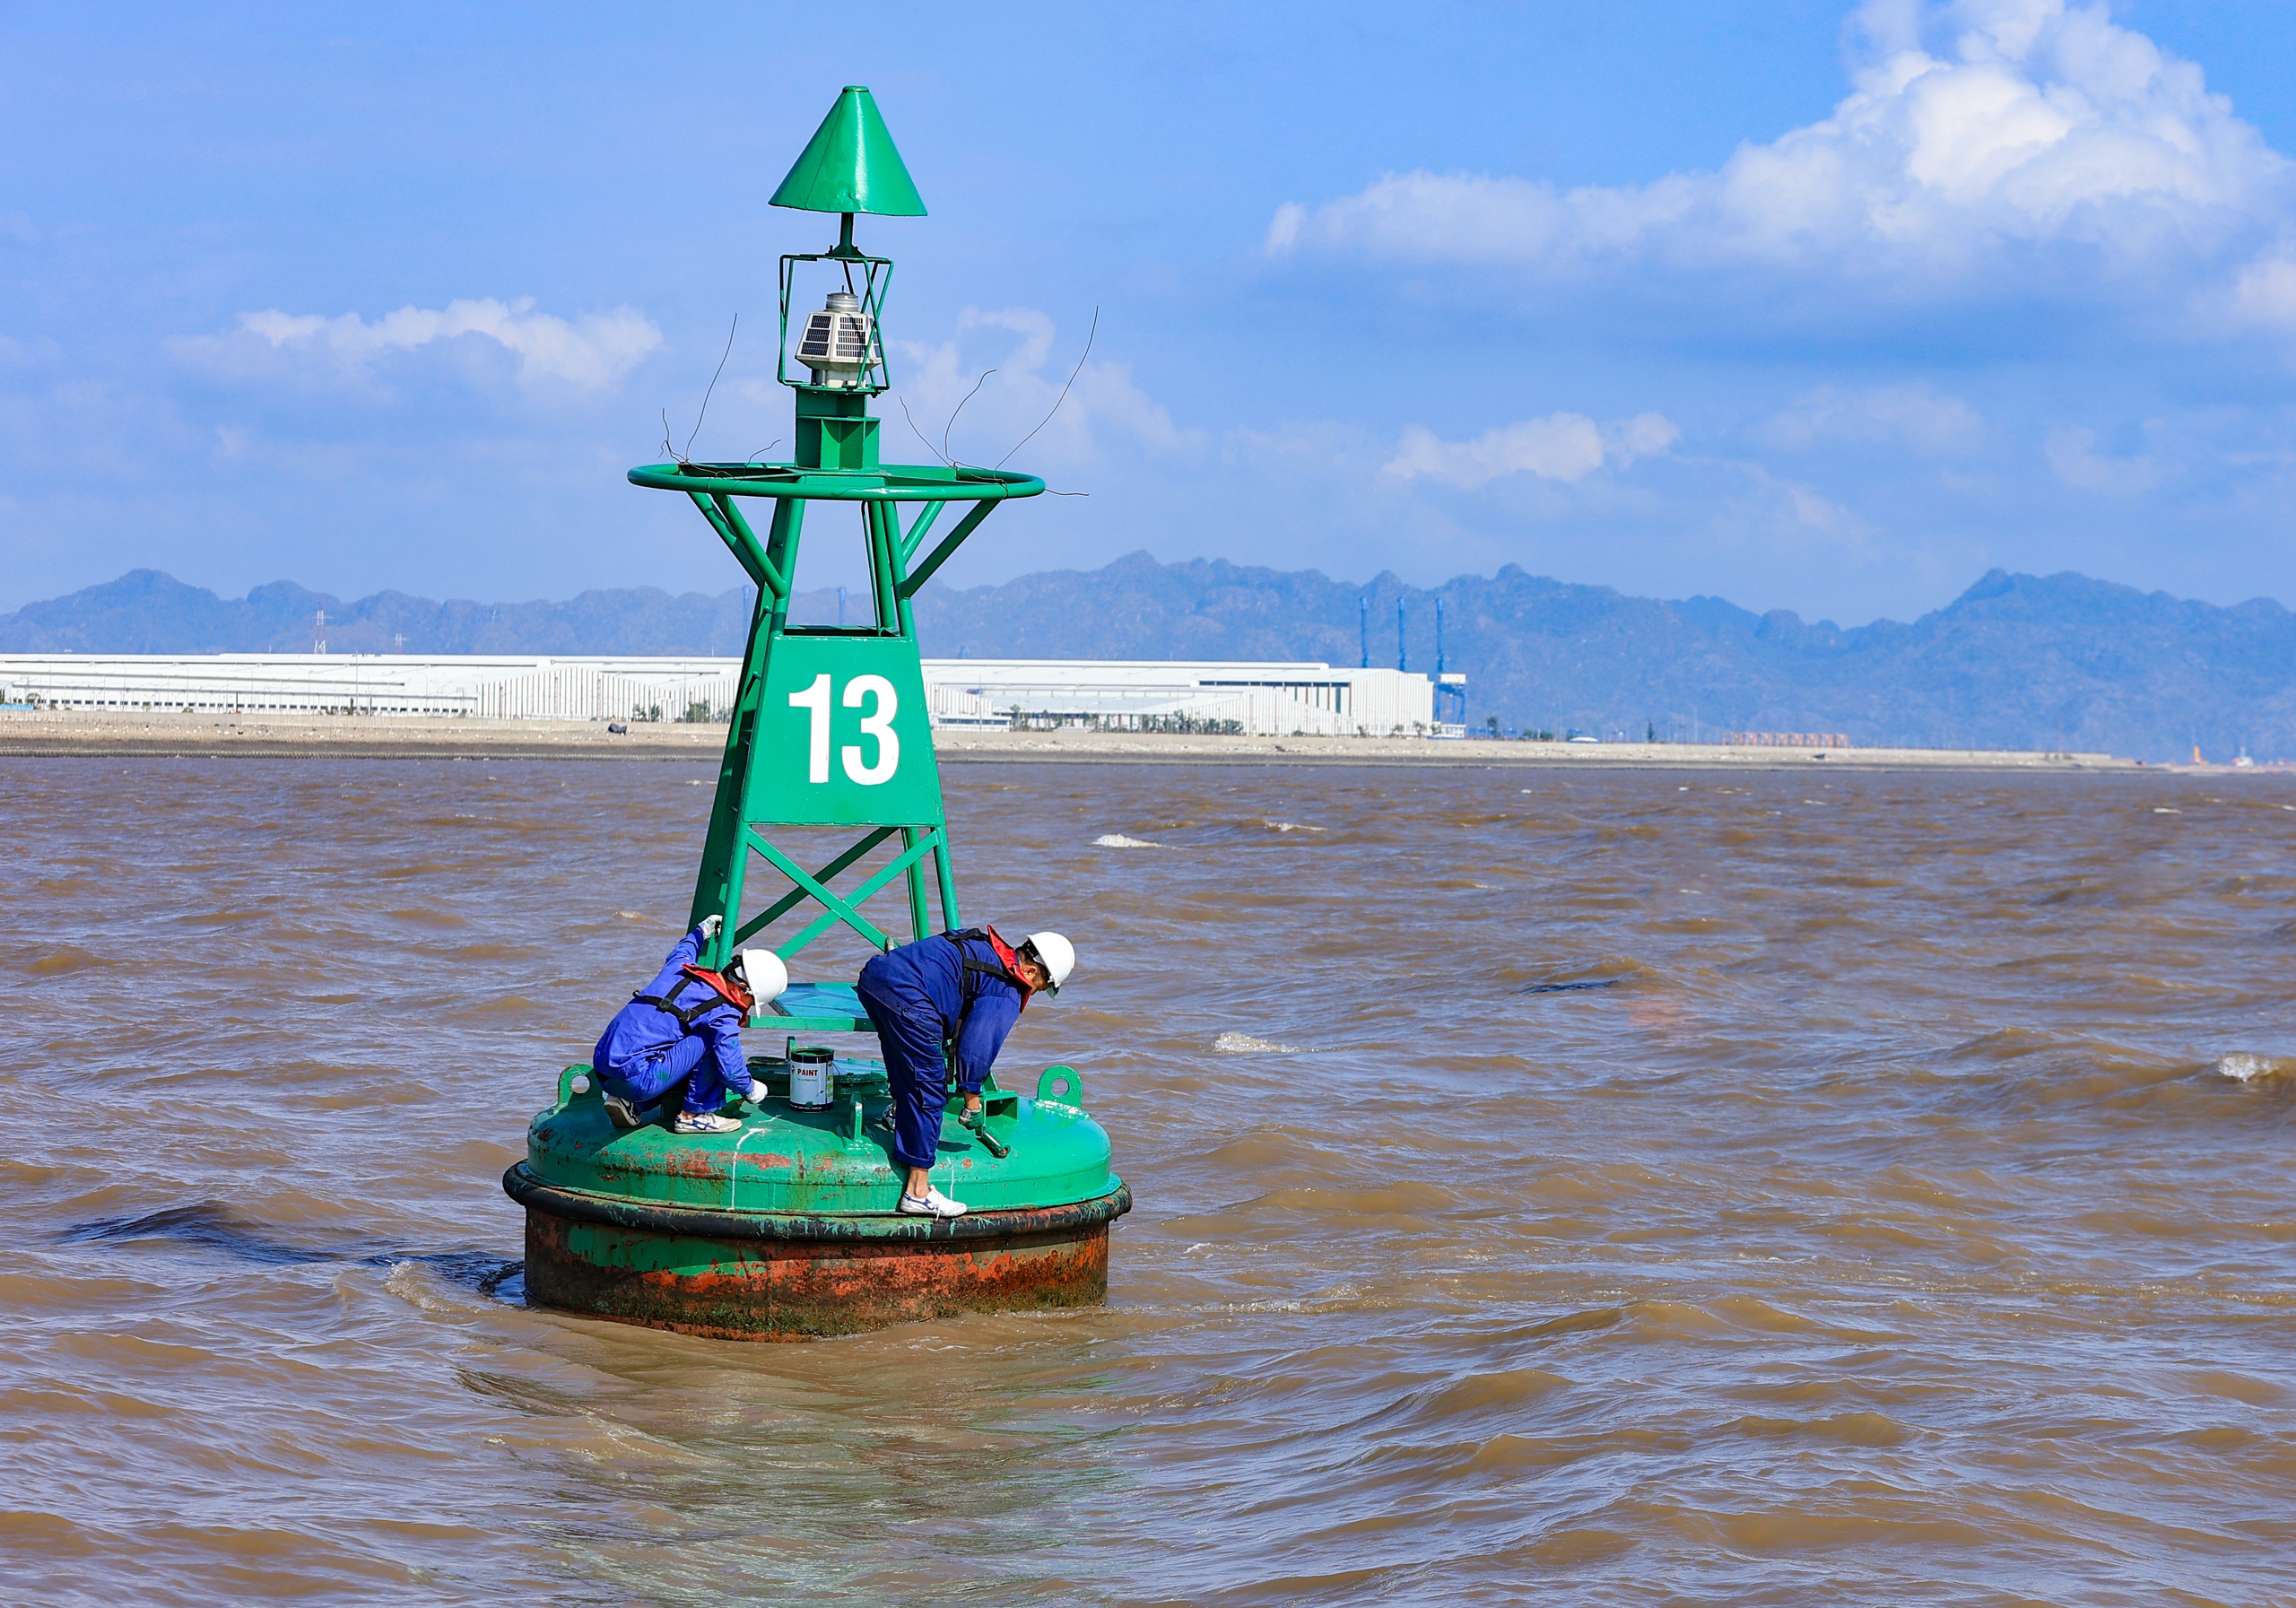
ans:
(686, 1062)
(917, 1071)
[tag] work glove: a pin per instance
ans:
(711, 925)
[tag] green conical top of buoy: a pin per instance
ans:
(851, 165)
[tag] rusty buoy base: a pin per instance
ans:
(786, 1276)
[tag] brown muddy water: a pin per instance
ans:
(1907, 1221)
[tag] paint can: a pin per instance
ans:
(812, 1078)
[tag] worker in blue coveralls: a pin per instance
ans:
(946, 1000)
(681, 1034)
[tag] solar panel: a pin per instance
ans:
(814, 345)
(838, 343)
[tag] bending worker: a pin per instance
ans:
(683, 1032)
(946, 1000)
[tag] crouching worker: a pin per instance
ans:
(950, 998)
(681, 1034)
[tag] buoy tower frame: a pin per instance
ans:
(785, 761)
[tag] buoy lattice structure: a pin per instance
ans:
(787, 1227)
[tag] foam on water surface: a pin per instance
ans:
(1244, 1044)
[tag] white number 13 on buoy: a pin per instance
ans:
(878, 724)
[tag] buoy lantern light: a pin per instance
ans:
(838, 342)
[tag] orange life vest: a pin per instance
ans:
(1008, 962)
(728, 992)
(726, 987)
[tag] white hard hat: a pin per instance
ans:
(763, 973)
(1056, 954)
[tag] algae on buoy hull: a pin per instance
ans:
(785, 1231)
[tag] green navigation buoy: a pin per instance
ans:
(786, 1228)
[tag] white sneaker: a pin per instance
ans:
(624, 1114)
(705, 1122)
(934, 1204)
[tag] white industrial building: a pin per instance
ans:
(513, 687)
(1141, 694)
(1277, 699)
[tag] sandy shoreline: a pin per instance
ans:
(24, 734)
(1117, 747)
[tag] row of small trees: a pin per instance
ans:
(697, 713)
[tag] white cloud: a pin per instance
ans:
(2071, 453)
(1646, 435)
(2266, 294)
(589, 352)
(1926, 420)
(2031, 121)
(937, 384)
(1564, 447)
(1784, 516)
(1819, 513)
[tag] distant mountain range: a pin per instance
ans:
(2017, 661)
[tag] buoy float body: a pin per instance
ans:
(786, 1230)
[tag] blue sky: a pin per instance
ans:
(1806, 306)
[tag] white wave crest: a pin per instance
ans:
(1119, 840)
(1244, 1044)
(2246, 1068)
